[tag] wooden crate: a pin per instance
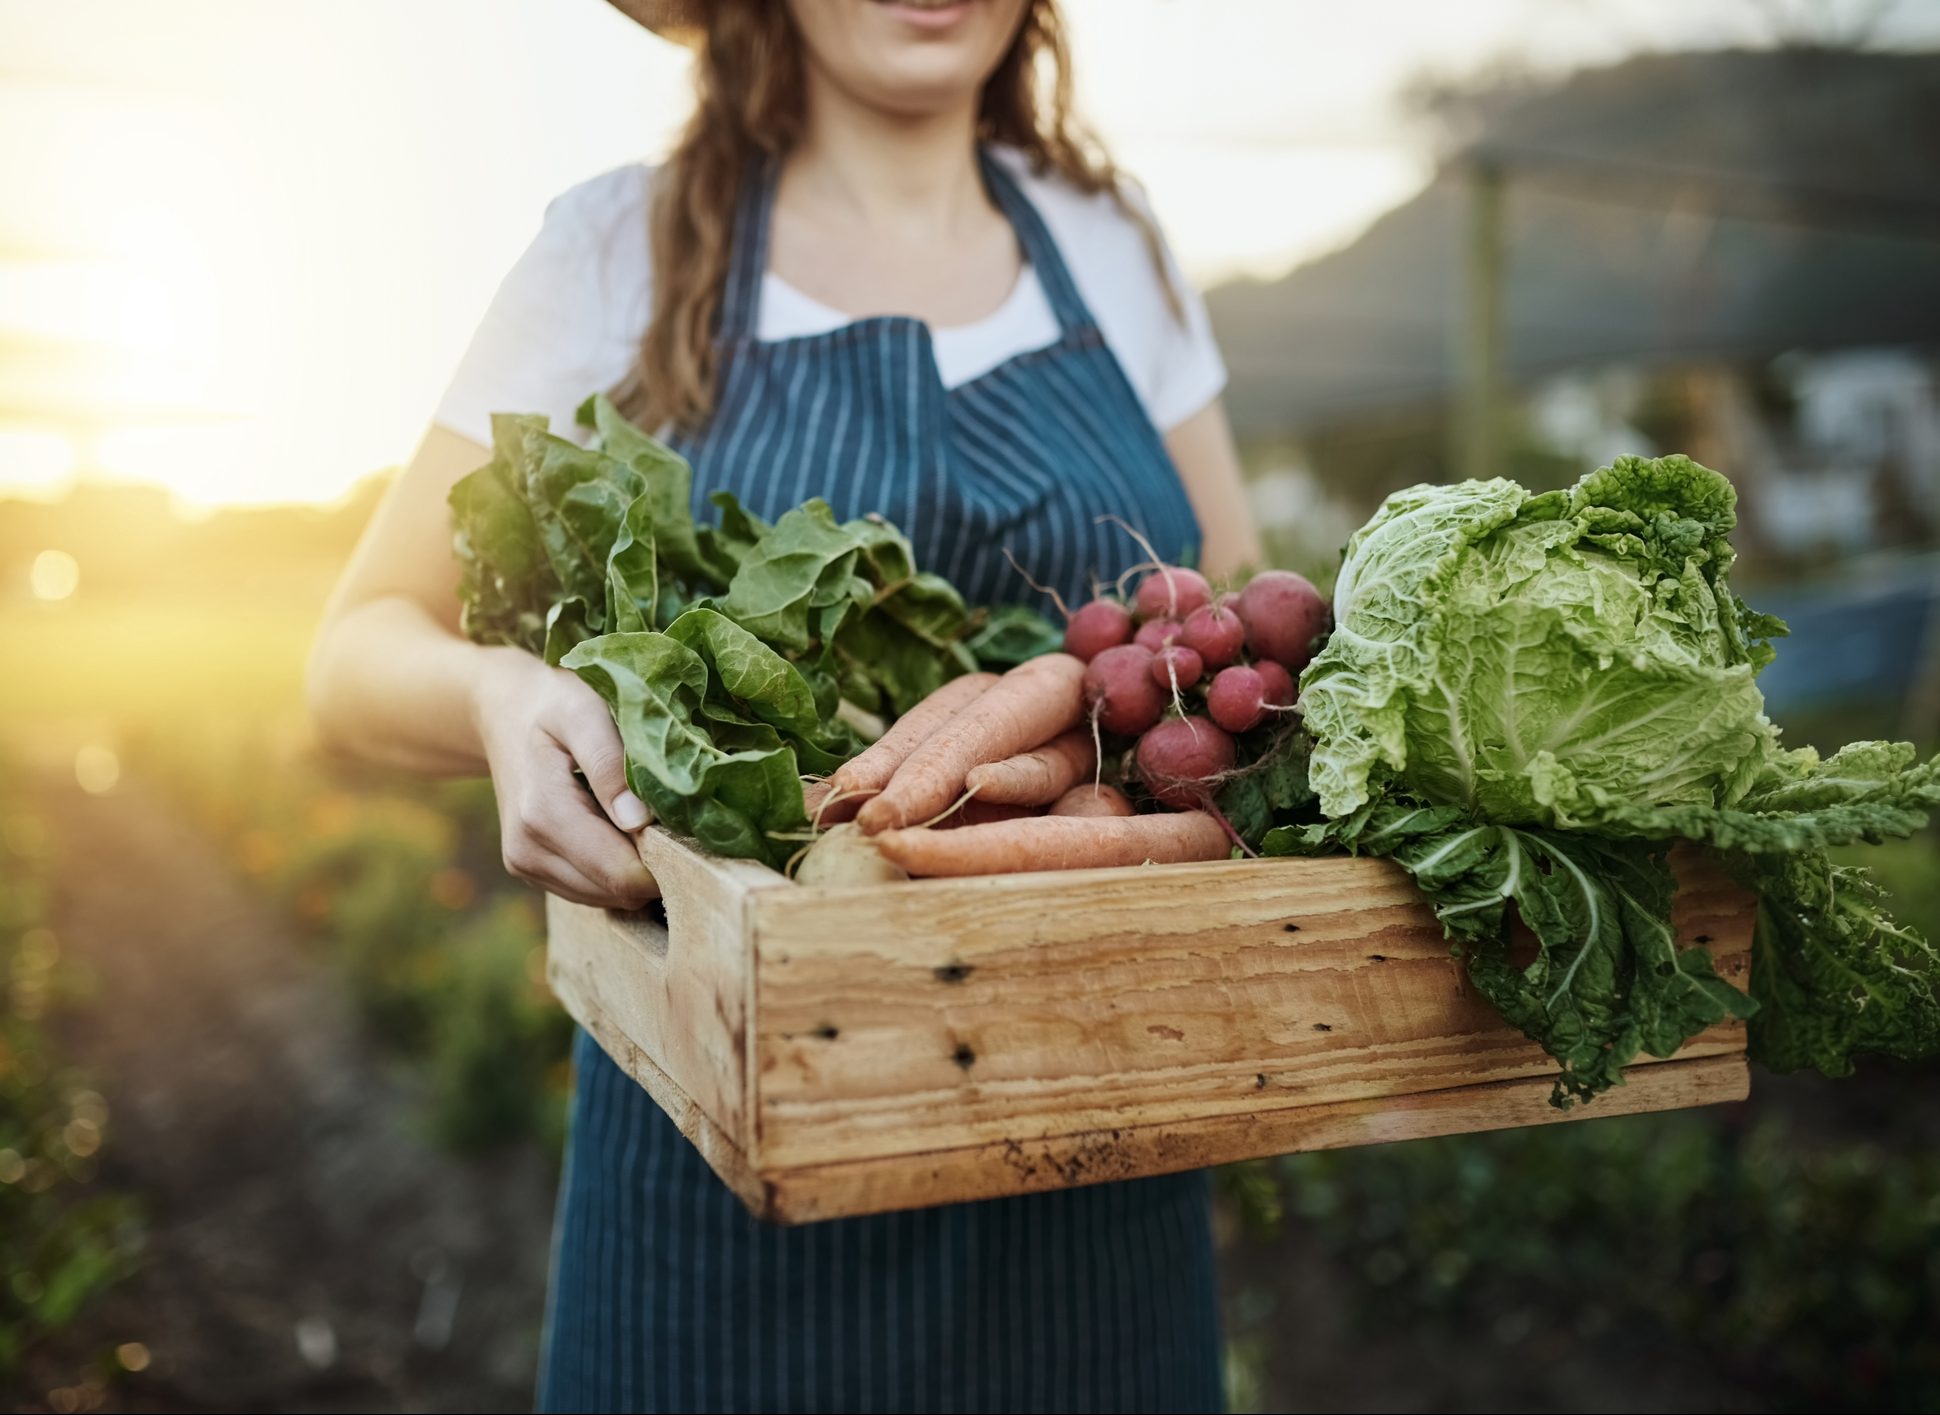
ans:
(851, 1051)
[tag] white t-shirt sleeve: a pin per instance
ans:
(567, 319)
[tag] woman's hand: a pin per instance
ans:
(536, 723)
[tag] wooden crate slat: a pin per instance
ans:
(816, 1192)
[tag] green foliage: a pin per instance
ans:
(498, 1043)
(1809, 1270)
(724, 651)
(63, 1241)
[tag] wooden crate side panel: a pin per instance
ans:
(817, 1192)
(958, 1013)
(676, 995)
(716, 1145)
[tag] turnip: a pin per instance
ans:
(1283, 614)
(1175, 667)
(1155, 634)
(1095, 627)
(1170, 592)
(1120, 690)
(1280, 689)
(1237, 698)
(1215, 633)
(1183, 761)
(844, 855)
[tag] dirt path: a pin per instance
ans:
(309, 1246)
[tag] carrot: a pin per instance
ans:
(1029, 706)
(871, 769)
(975, 812)
(1036, 778)
(1057, 843)
(814, 793)
(1089, 800)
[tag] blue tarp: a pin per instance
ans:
(1857, 642)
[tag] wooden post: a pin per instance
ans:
(1479, 351)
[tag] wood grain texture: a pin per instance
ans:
(842, 1051)
(817, 1192)
(940, 1014)
(675, 991)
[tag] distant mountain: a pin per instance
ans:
(1679, 205)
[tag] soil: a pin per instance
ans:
(308, 1246)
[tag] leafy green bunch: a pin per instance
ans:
(1528, 699)
(726, 652)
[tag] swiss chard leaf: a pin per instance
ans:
(734, 801)
(506, 583)
(1012, 634)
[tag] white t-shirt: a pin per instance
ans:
(568, 317)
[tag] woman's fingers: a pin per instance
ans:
(557, 838)
(585, 729)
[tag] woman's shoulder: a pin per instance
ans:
(601, 207)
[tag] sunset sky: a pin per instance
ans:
(242, 242)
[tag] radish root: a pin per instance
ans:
(1056, 598)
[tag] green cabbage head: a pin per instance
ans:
(1568, 658)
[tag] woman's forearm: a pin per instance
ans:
(391, 685)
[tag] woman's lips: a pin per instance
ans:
(928, 15)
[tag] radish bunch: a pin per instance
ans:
(1184, 670)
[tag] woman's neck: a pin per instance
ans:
(915, 177)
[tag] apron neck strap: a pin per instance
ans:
(1039, 247)
(748, 262)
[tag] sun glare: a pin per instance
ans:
(54, 575)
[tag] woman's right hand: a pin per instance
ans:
(536, 723)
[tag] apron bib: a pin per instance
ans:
(665, 1294)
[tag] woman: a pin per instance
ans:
(878, 267)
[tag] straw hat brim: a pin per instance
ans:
(683, 21)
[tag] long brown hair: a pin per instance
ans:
(749, 105)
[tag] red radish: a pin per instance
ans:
(1120, 691)
(1228, 599)
(1092, 800)
(1215, 633)
(1237, 698)
(1280, 691)
(1155, 634)
(1183, 759)
(1095, 627)
(1170, 592)
(1175, 667)
(1283, 614)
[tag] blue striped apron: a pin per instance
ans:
(665, 1294)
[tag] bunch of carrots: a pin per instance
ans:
(993, 774)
